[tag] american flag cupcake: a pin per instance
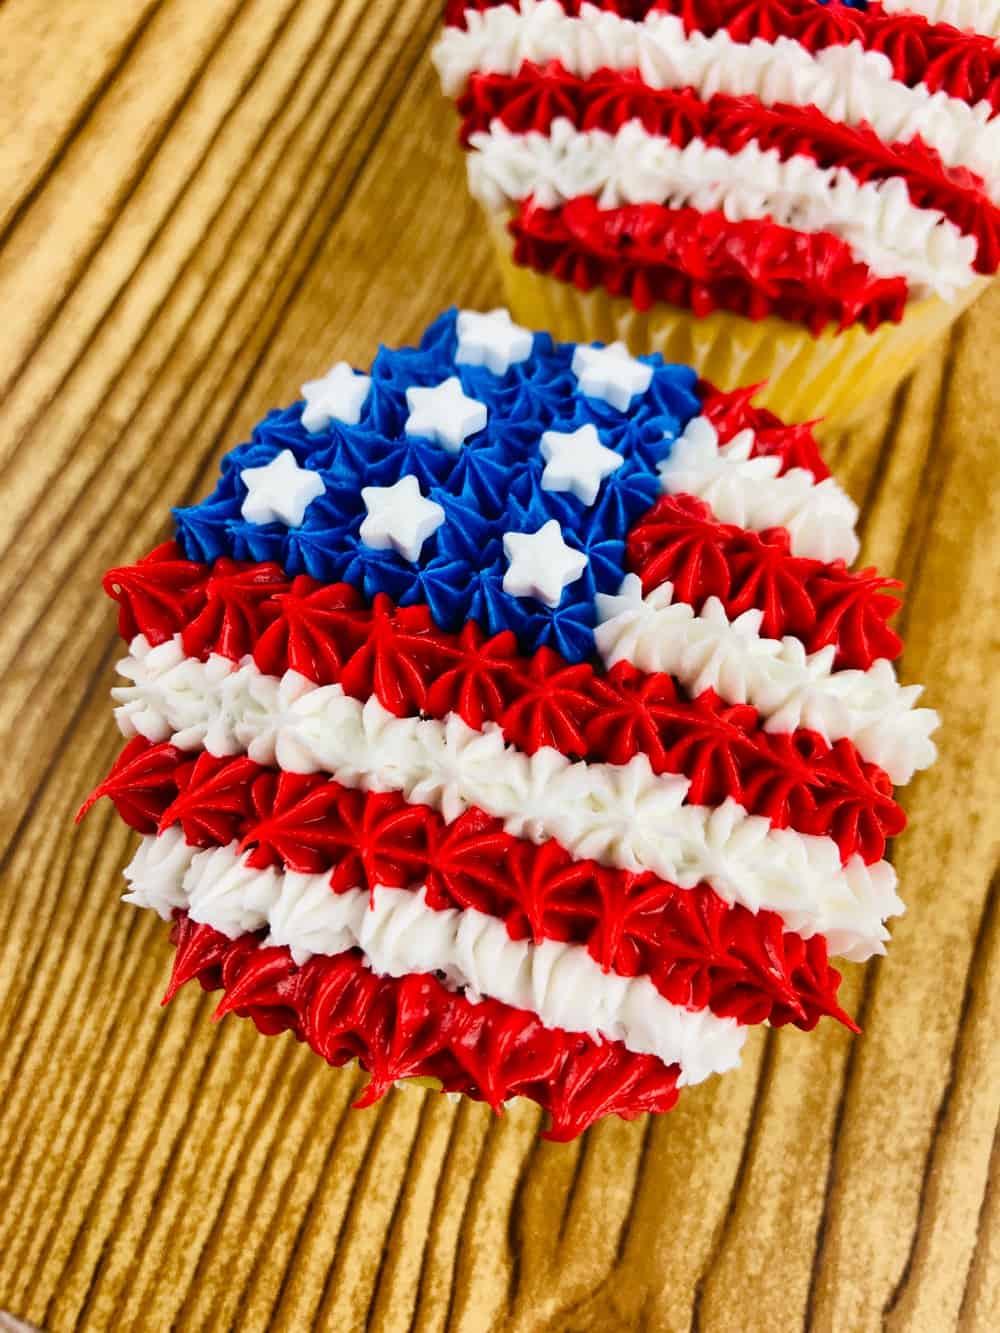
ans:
(789, 190)
(510, 717)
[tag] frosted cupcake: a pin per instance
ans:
(793, 191)
(509, 717)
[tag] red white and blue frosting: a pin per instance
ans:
(824, 162)
(510, 715)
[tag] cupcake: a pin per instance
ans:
(509, 718)
(783, 190)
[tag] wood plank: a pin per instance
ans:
(243, 193)
(48, 107)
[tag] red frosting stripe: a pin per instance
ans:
(733, 411)
(680, 541)
(964, 65)
(327, 634)
(413, 1027)
(699, 951)
(704, 262)
(540, 94)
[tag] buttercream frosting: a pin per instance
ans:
(846, 82)
(409, 1027)
(788, 686)
(911, 32)
(399, 935)
(488, 483)
(619, 815)
(528, 826)
(699, 951)
(650, 253)
(536, 97)
(753, 491)
(633, 166)
(981, 16)
(796, 780)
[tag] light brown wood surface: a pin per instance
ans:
(203, 202)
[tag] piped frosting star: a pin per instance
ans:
(399, 518)
(280, 492)
(611, 374)
(492, 340)
(577, 462)
(444, 414)
(338, 396)
(541, 564)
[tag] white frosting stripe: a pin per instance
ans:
(400, 935)
(846, 83)
(754, 492)
(982, 16)
(620, 815)
(879, 221)
(201, 702)
(789, 687)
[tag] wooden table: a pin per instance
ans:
(202, 203)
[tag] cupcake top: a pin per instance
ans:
(510, 715)
(824, 162)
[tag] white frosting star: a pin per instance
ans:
(541, 564)
(492, 340)
(338, 396)
(444, 414)
(399, 518)
(611, 374)
(577, 462)
(280, 492)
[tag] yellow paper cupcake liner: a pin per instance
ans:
(833, 375)
(427, 1083)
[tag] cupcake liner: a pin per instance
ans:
(834, 375)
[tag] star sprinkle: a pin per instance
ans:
(338, 396)
(492, 340)
(280, 492)
(577, 462)
(444, 414)
(541, 564)
(399, 518)
(611, 374)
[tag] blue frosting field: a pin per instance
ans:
(490, 487)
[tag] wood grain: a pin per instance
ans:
(200, 205)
